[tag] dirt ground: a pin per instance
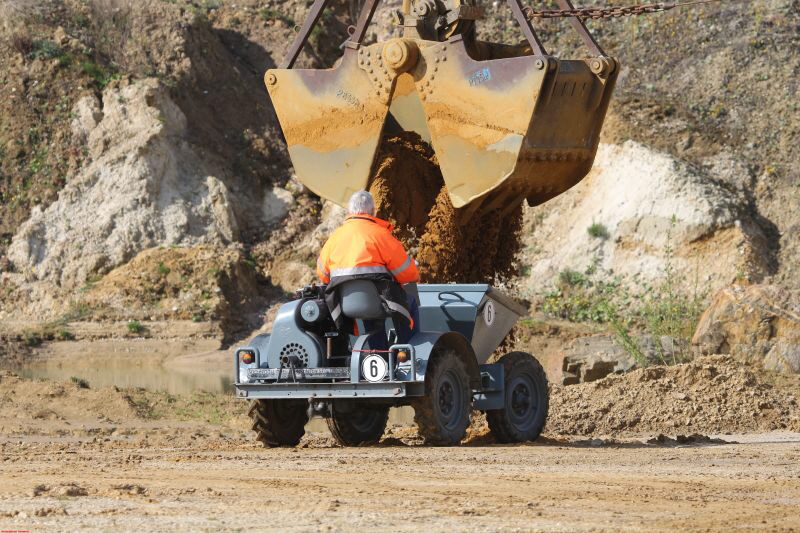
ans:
(185, 478)
(80, 457)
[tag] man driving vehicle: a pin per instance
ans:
(364, 248)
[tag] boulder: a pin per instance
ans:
(756, 324)
(592, 358)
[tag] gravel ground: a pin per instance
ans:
(195, 481)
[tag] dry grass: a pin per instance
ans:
(15, 16)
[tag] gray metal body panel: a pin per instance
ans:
(289, 338)
(482, 314)
(447, 313)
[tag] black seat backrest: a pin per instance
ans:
(361, 300)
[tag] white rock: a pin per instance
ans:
(276, 204)
(145, 186)
(649, 203)
(87, 115)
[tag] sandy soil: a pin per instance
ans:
(125, 459)
(193, 480)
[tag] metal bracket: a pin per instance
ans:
(492, 393)
(527, 29)
(367, 12)
(580, 27)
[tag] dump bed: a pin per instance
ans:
(481, 313)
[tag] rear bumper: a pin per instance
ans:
(326, 391)
(337, 382)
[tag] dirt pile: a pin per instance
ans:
(713, 394)
(409, 191)
(24, 403)
(204, 283)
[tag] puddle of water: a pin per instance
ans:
(174, 380)
(178, 379)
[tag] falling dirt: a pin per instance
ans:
(405, 184)
(409, 191)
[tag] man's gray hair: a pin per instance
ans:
(361, 203)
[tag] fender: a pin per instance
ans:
(428, 344)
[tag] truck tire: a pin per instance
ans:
(526, 402)
(442, 415)
(355, 424)
(279, 422)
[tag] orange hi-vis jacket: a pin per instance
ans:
(365, 245)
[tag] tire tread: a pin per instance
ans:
(499, 424)
(269, 432)
(347, 434)
(425, 417)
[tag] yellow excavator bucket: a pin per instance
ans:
(332, 121)
(506, 123)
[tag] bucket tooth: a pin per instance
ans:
(332, 121)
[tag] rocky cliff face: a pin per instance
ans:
(146, 186)
(759, 324)
(638, 212)
(126, 128)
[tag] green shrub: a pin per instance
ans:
(32, 339)
(163, 269)
(665, 308)
(80, 382)
(135, 326)
(273, 14)
(598, 231)
(101, 75)
(65, 335)
(45, 49)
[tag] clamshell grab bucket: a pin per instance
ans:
(506, 124)
(521, 127)
(332, 121)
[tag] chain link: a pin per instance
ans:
(608, 12)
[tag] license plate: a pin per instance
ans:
(299, 373)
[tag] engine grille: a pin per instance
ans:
(294, 349)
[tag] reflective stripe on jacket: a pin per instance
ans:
(365, 245)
